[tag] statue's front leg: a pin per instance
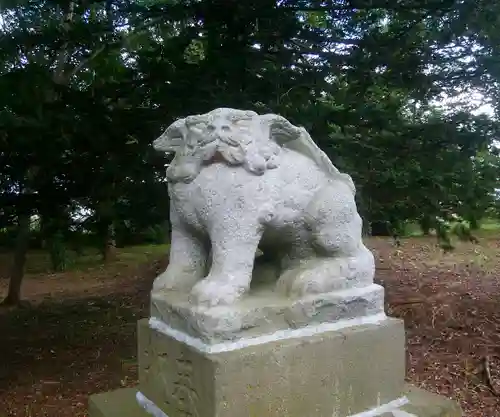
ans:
(188, 259)
(233, 254)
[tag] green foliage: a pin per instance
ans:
(451, 226)
(86, 87)
(462, 230)
(194, 52)
(156, 235)
(57, 250)
(443, 229)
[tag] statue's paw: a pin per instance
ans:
(161, 282)
(318, 276)
(313, 277)
(211, 293)
(169, 281)
(308, 282)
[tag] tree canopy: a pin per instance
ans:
(87, 85)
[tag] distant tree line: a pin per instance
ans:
(87, 85)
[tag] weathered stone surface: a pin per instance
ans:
(354, 372)
(297, 330)
(328, 374)
(122, 403)
(240, 181)
(119, 403)
(425, 404)
(263, 311)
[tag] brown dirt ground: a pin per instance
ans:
(78, 336)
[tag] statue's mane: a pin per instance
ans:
(253, 142)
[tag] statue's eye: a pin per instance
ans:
(225, 128)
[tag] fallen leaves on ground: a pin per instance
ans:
(79, 336)
(451, 307)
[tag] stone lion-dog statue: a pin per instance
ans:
(240, 183)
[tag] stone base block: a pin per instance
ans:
(330, 373)
(119, 403)
(123, 403)
(424, 404)
(263, 311)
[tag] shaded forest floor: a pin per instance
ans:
(78, 337)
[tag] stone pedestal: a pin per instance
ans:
(420, 403)
(333, 355)
(339, 372)
(265, 312)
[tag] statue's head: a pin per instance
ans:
(236, 137)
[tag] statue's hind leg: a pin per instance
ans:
(295, 259)
(327, 274)
(339, 260)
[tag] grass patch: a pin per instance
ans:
(490, 225)
(82, 340)
(488, 228)
(38, 261)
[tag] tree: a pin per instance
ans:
(86, 87)
(45, 88)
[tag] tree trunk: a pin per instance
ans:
(105, 227)
(473, 222)
(21, 251)
(57, 251)
(109, 247)
(54, 223)
(425, 225)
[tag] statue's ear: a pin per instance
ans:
(173, 138)
(281, 130)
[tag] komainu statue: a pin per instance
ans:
(242, 183)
